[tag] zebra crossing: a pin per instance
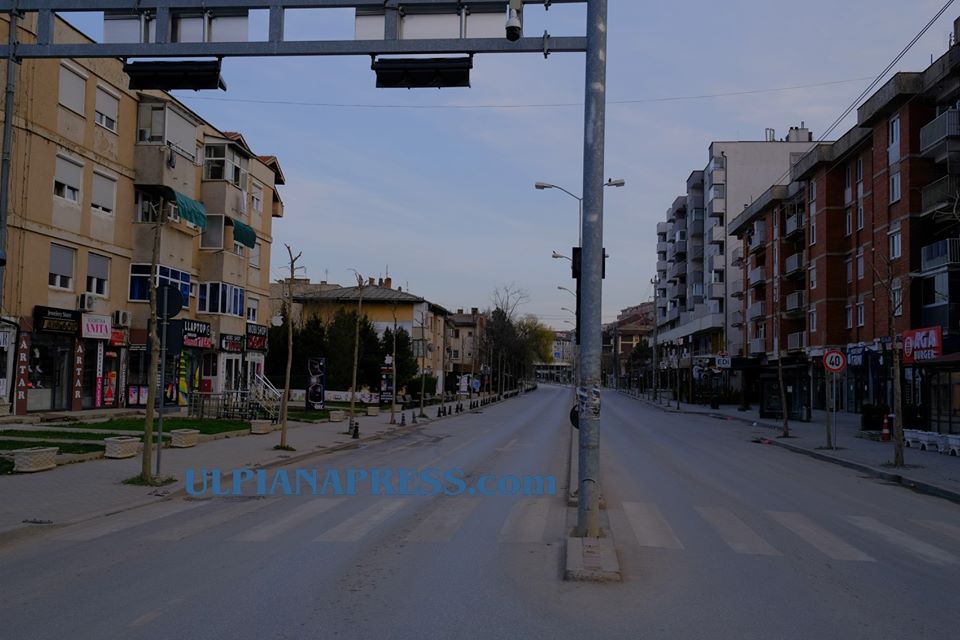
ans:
(771, 533)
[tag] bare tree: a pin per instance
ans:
(509, 297)
(892, 288)
(781, 352)
(356, 353)
(285, 401)
(146, 468)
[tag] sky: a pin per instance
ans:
(435, 187)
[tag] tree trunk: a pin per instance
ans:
(356, 357)
(897, 409)
(784, 409)
(146, 466)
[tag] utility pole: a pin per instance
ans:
(591, 277)
(5, 185)
(393, 373)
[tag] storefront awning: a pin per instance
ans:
(191, 210)
(242, 233)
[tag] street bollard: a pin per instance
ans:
(413, 416)
(403, 419)
(356, 430)
(439, 414)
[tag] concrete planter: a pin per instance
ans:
(373, 410)
(337, 415)
(122, 446)
(929, 441)
(911, 438)
(35, 459)
(952, 446)
(261, 427)
(184, 438)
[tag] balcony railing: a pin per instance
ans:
(757, 276)
(718, 234)
(796, 301)
(736, 318)
(939, 254)
(696, 253)
(758, 239)
(695, 228)
(940, 195)
(944, 126)
(681, 247)
(757, 346)
(797, 341)
(793, 264)
(736, 256)
(756, 310)
(718, 207)
(716, 290)
(794, 224)
(676, 270)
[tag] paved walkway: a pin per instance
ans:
(75, 492)
(940, 471)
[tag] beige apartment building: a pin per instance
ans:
(97, 171)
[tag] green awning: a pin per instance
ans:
(243, 234)
(191, 210)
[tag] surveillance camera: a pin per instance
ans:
(514, 27)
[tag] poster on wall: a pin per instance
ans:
(316, 383)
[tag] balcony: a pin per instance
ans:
(939, 195)
(794, 224)
(717, 208)
(673, 314)
(695, 228)
(696, 253)
(680, 248)
(736, 318)
(677, 270)
(797, 341)
(716, 290)
(935, 138)
(736, 256)
(718, 234)
(757, 276)
(662, 265)
(662, 247)
(794, 265)
(758, 240)
(222, 196)
(796, 303)
(757, 346)
(153, 166)
(944, 315)
(756, 310)
(946, 252)
(663, 227)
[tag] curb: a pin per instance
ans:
(919, 486)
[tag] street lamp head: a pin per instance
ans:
(619, 182)
(542, 185)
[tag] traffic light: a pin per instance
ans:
(422, 73)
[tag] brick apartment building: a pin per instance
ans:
(862, 246)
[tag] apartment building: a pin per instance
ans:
(465, 341)
(864, 253)
(697, 287)
(103, 178)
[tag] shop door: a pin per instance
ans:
(232, 373)
(62, 371)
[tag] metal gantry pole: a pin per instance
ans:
(588, 392)
(8, 114)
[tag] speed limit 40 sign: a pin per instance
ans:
(834, 361)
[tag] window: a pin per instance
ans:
(934, 291)
(223, 162)
(859, 170)
(848, 177)
(150, 121)
(237, 248)
(895, 240)
(255, 255)
(73, 89)
(813, 230)
(257, 196)
(61, 267)
(221, 298)
(98, 274)
(849, 264)
(253, 306)
(894, 131)
(849, 228)
(859, 216)
(104, 194)
(813, 320)
(860, 264)
(148, 206)
(813, 276)
(140, 282)
(860, 314)
(456, 353)
(212, 236)
(895, 187)
(107, 107)
(849, 316)
(897, 298)
(67, 179)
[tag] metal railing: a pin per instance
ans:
(756, 310)
(793, 224)
(757, 345)
(757, 275)
(797, 341)
(793, 263)
(796, 301)
(946, 125)
(938, 254)
(941, 194)
(758, 239)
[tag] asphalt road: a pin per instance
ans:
(718, 538)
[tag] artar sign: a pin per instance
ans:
(920, 345)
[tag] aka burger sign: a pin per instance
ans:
(920, 345)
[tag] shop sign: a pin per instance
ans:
(4, 339)
(231, 343)
(920, 345)
(855, 356)
(96, 327)
(118, 338)
(78, 374)
(256, 337)
(50, 320)
(197, 335)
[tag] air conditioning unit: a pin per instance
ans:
(121, 318)
(85, 302)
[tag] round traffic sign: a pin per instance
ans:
(834, 361)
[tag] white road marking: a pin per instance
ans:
(944, 528)
(150, 616)
(526, 522)
(649, 526)
(735, 532)
(444, 521)
(824, 541)
(208, 521)
(308, 510)
(360, 524)
(914, 546)
(119, 522)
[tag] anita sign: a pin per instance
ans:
(920, 345)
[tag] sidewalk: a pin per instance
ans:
(76, 492)
(926, 471)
